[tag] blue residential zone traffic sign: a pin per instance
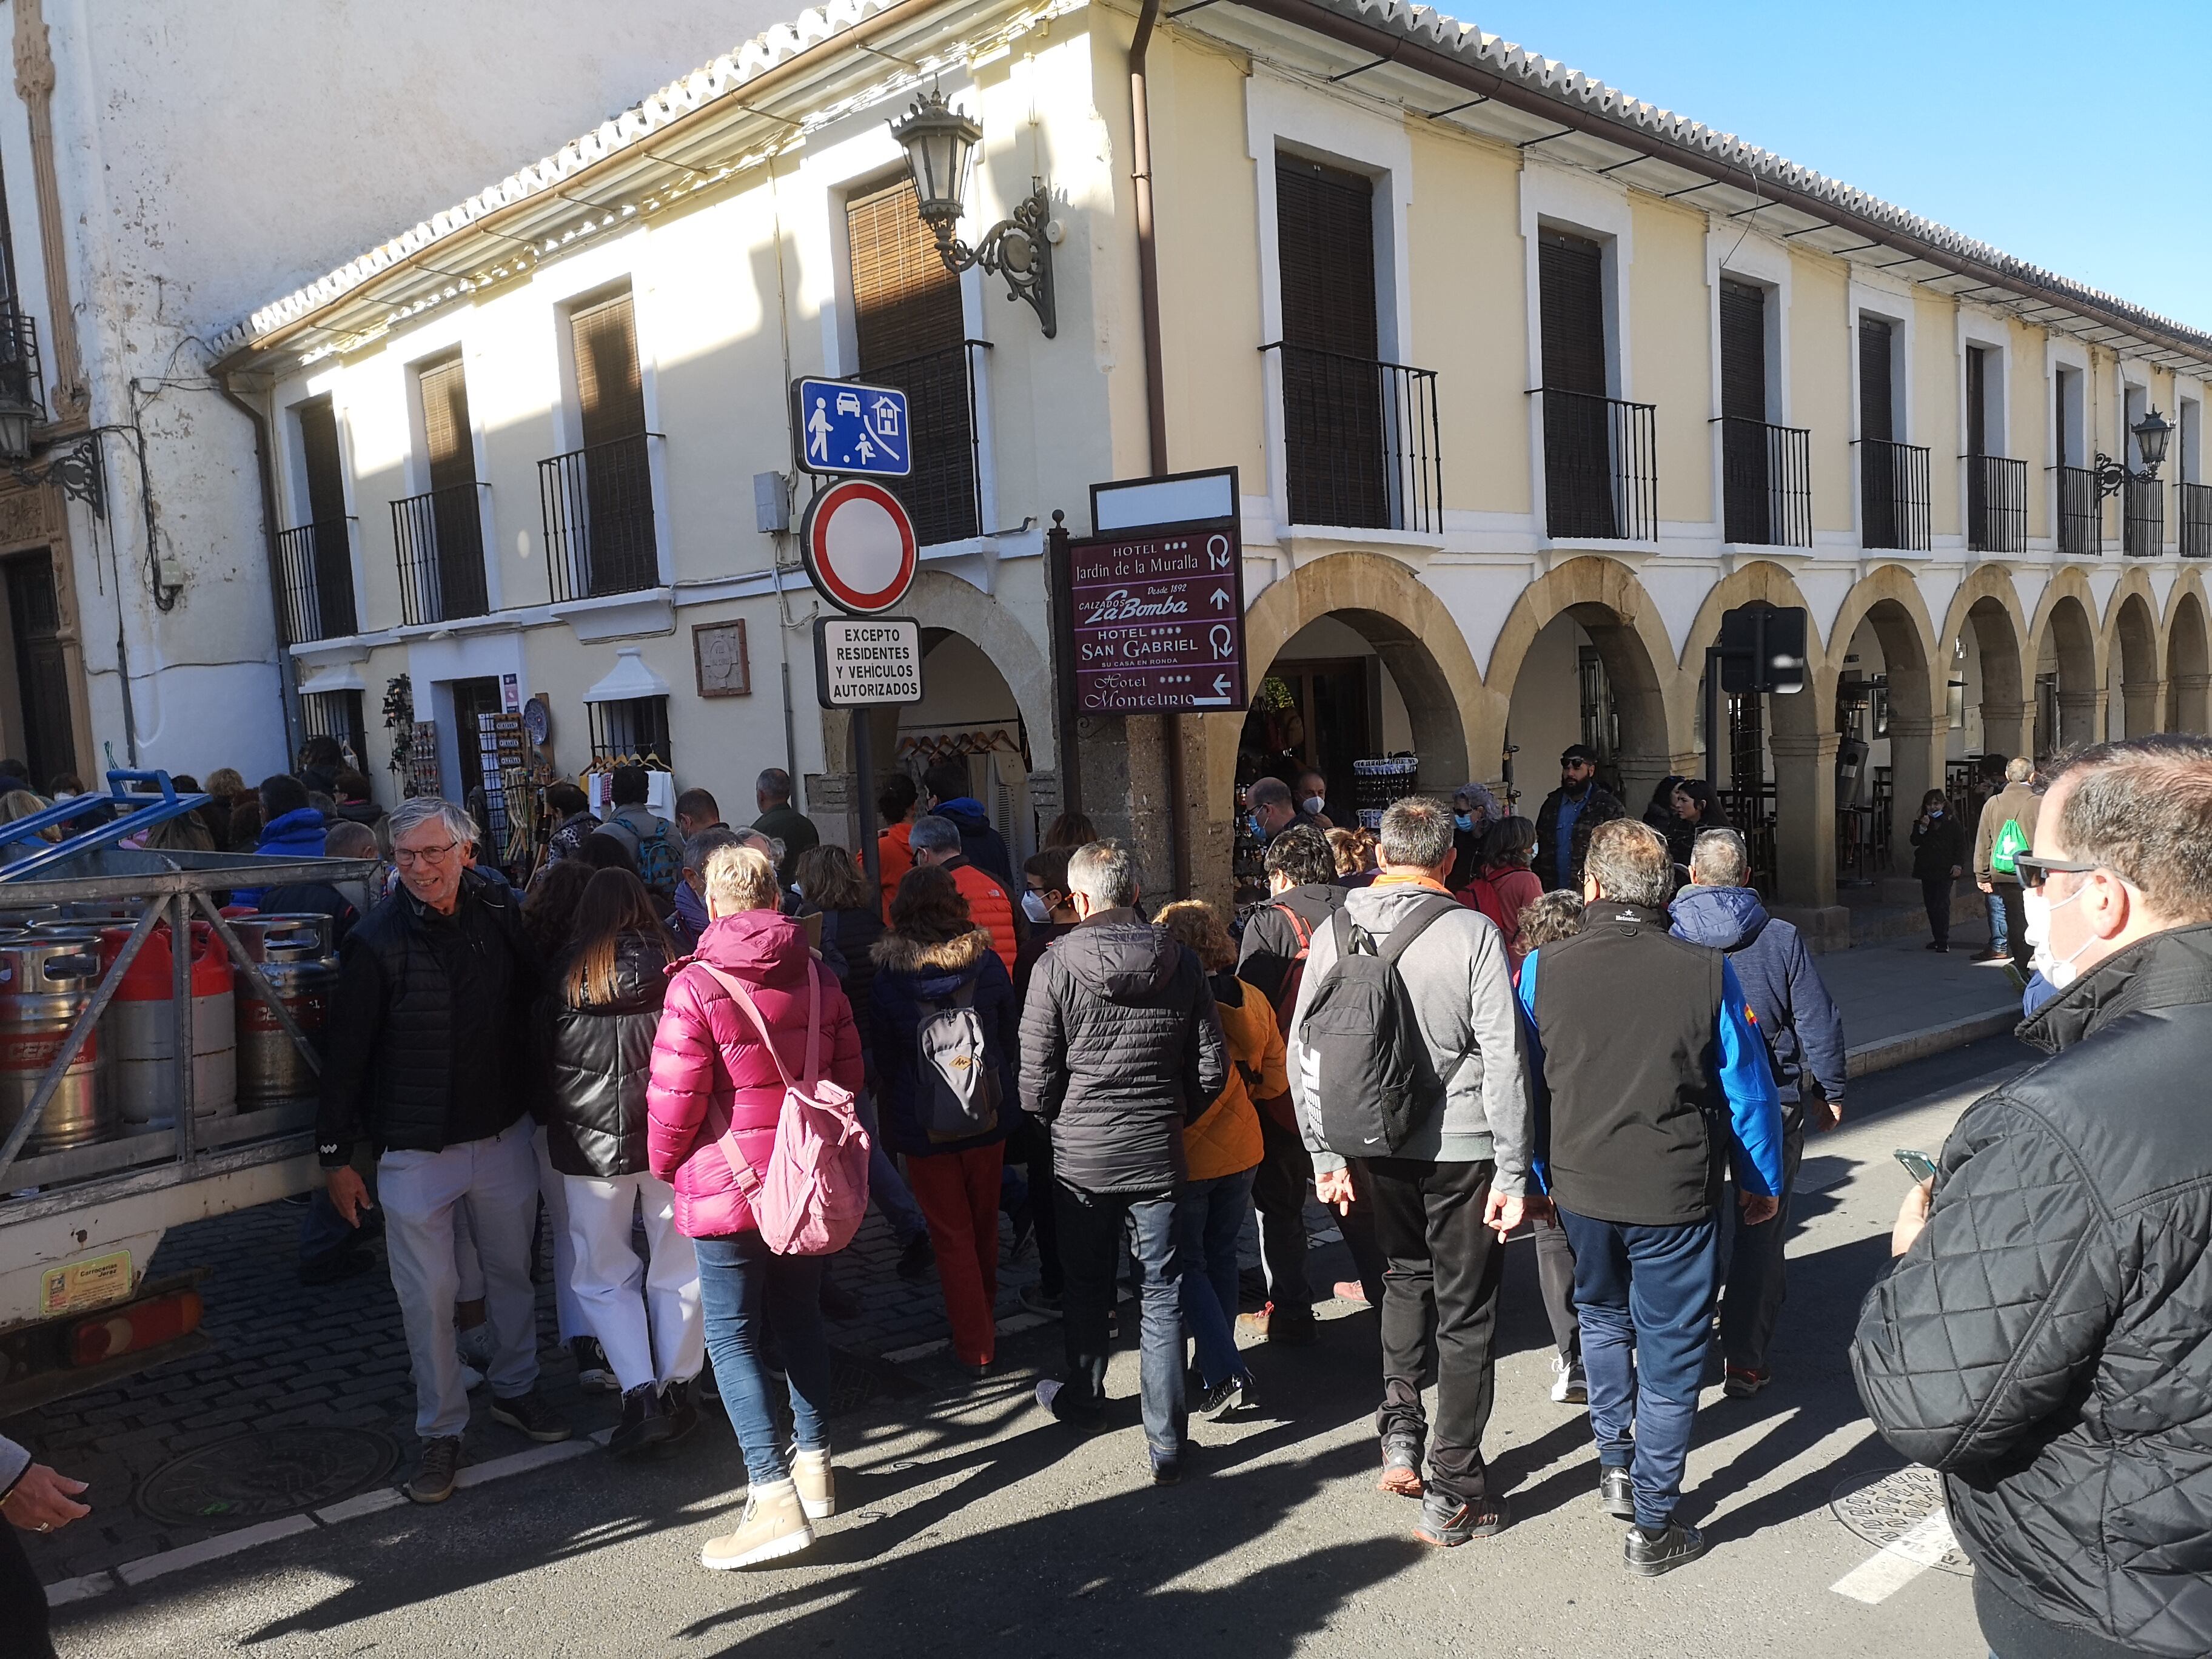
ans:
(842, 427)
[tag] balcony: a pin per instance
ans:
(2197, 521)
(1893, 495)
(1600, 468)
(2081, 516)
(440, 536)
(21, 381)
(1766, 483)
(599, 534)
(2143, 522)
(315, 568)
(1359, 441)
(944, 494)
(1996, 504)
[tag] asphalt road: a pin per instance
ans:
(971, 1524)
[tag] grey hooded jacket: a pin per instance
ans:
(1461, 984)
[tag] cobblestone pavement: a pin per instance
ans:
(285, 1354)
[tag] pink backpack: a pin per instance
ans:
(815, 1192)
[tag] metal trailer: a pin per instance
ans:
(78, 1227)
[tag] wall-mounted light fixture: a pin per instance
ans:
(2151, 433)
(940, 149)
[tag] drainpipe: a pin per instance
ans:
(264, 462)
(1156, 412)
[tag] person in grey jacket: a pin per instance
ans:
(36, 1499)
(1120, 1049)
(1446, 1198)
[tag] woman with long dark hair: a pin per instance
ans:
(598, 1019)
(1696, 807)
(947, 1032)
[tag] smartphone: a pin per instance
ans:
(1918, 1165)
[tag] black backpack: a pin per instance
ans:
(956, 1090)
(1373, 1082)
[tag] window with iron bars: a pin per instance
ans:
(336, 714)
(632, 728)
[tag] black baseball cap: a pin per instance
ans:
(1578, 751)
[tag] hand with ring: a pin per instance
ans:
(44, 1499)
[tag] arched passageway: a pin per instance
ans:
(2070, 694)
(2189, 667)
(2136, 695)
(1890, 723)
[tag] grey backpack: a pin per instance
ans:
(956, 1092)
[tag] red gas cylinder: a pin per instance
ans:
(140, 1031)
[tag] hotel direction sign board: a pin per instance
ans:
(1158, 609)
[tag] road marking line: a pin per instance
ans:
(1895, 1565)
(213, 1549)
(79, 1589)
(477, 1474)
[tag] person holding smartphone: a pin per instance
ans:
(1939, 858)
(2044, 1339)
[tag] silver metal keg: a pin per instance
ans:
(140, 1031)
(48, 980)
(296, 957)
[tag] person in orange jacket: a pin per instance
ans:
(900, 803)
(1223, 1149)
(936, 841)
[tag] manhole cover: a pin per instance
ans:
(266, 1473)
(1883, 1507)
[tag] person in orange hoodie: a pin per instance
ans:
(936, 841)
(1222, 1148)
(900, 803)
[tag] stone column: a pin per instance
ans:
(1915, 762)
(2008, 728)
(34, 85)
(2143, 705)
(1805, 815)
(2081, 717)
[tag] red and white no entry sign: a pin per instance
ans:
(859, 546)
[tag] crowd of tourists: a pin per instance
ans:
(702, 1051)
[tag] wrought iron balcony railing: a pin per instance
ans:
(2197, 521)
(2142, 522)
(2081, 515)
(1766, 483)
(1359, 441)
(1893, 495)
(1996, 504)
(600, 532)
(440, 536)
(315, 564)
(1600, 467)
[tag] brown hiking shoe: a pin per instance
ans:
(434, 1481)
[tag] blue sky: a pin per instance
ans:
(2075, 137)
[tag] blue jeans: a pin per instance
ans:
(1092, 1227)
(1209, 1217)
(2000, 939)
(1645, 1297)
(745, 1292)
(887, 1189)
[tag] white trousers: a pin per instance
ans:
(497, 1180)
(569, 1311)
(645, 1314)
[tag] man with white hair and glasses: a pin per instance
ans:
(2044, 1339)
(425, 1057)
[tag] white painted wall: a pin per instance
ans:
(212, 154)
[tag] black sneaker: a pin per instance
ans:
(680, 1402)
(530, 1413)
(1402, 1463)
(1614, 1492)
(1677, 1546)
(917, 1260)
(645, 1422)
(593, 1375)
(1035, 1299)
(1234, 1394)
(1166, 1471)
(434, 1481)
(1447, 1522)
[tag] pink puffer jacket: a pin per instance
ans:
(709, 1069)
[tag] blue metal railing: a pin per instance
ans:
(133, 812)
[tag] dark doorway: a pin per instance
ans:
(472, 699)
(1313, 713)
(41, 670)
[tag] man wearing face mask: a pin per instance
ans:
(1312, 803)
(1271, 808)
(1570, 812)
(2045, 1338)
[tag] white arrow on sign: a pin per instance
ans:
(1220, 598)
(1222, 685)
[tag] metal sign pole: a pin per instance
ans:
(1714, 700)
(864, 777)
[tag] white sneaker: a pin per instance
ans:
(1047, 1391)
(1569, 1386)
(476, 1345)
(817, 1486)
(471, 1379)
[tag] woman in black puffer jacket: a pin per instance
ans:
(597, 1026)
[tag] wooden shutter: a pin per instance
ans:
(1877, 403)
(905, 303)
(1743, 350)
(1977, 401)
(318, 443)
(1325, 237)
(610, 394)
(445, 425)
(1571, 274)
(2057, 420)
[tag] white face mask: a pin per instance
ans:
(1035, 908)
(1313, 804)
(2058, 973)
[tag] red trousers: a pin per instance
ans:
(958, 1193)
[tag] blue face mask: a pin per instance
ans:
(1252, 823)
(1464, 820)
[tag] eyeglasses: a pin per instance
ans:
(422, 854)
(2034, 871)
